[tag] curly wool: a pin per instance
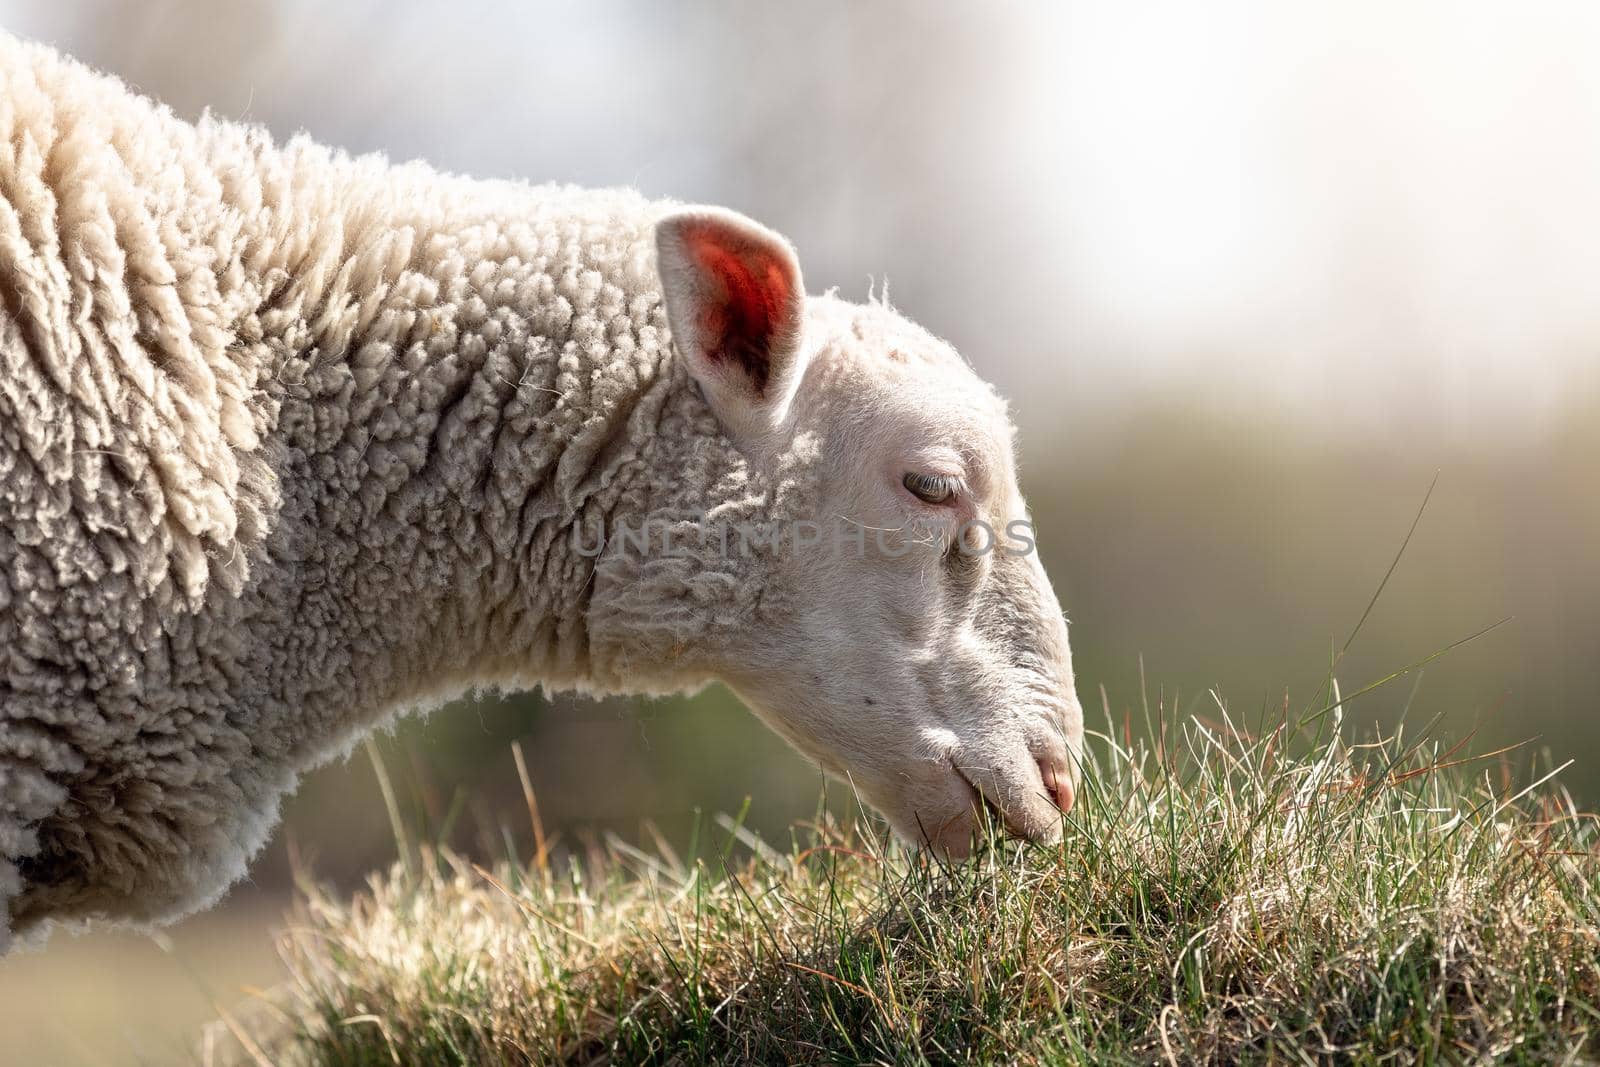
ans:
(290, 441)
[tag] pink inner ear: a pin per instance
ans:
(756, 297)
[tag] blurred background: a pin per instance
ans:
(1251, 273)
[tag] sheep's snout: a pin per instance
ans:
(1025, 790)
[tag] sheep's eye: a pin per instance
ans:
(931, 488)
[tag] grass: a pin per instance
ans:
(1222, 894)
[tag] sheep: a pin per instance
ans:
(293, 442)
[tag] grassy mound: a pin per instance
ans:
(1220, 895)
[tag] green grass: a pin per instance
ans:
(1221, 895)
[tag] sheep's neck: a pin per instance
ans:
(450, 398)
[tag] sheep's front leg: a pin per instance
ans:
(30, 795)
(141, 830)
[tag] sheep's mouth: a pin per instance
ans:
(979, 803)
(978, 809)
(1052, 786)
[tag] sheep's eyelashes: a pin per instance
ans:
(930, 488)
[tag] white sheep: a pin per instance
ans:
(292, 441)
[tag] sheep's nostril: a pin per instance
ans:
(1064, 794)
(1056, 785)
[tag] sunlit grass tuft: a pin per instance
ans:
(1220, 895)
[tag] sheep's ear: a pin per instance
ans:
(734, 301)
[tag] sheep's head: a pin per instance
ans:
(918, 649)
